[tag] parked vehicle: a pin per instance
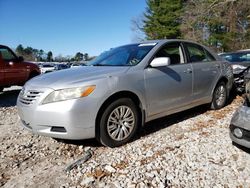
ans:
(122, 89)
(47, 67)
(239, 126)
(240, 62)
(13, 69)
(239, 80)
(239, 59)
(60, 67)
(74, 65)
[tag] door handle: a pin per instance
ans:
(188, 71)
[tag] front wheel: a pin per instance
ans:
(219, 96)
(119, 123)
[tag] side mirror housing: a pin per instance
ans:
(160, 62)
(20, 58)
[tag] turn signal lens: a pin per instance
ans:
(87, 91)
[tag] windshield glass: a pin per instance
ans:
(128, 55)
(237, 57)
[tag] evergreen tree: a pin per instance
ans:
(79, 56)
(20, 50)
(86, 57)
(50, 56)
(162, 19)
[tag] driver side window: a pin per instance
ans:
(6, 54)
(173, 51)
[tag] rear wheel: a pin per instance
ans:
(118, 123)
(219, 96)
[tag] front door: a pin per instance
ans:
(168, 87)
(15, 72)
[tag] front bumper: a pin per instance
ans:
(244, 141)
(71, 119)
(241, 121)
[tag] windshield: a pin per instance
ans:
(237, 57)
(128, 55)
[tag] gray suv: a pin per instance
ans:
(122, 89)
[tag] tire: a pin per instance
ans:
(118, 123)
(220, 96)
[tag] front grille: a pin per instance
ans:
(29, 97)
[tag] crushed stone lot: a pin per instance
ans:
(188, 149)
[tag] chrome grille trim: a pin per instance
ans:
(30, 97)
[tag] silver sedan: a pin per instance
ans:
(112, 97)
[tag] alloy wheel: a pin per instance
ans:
(220, 95)
(121, 123)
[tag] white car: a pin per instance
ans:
(45, 68)
(75, 65)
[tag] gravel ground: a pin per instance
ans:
(188, 149)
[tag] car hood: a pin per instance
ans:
(238, 70)
(245, 63)
(73, 77)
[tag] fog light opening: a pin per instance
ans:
(238, 132)
(58, 129)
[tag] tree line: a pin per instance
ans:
(33, 54)
(223, 25)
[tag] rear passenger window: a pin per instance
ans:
(210, 57)
(198, 54)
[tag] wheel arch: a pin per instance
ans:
(121, 94)
(33, 74)
(222, 79)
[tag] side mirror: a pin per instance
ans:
(160, 62)
(20, 59)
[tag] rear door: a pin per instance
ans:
(169, 87)
(206, 70)
(15, 72)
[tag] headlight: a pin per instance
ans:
(238, 67)
(66, 94)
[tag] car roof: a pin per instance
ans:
(3, 45)
(237, 52)
(166, 40)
